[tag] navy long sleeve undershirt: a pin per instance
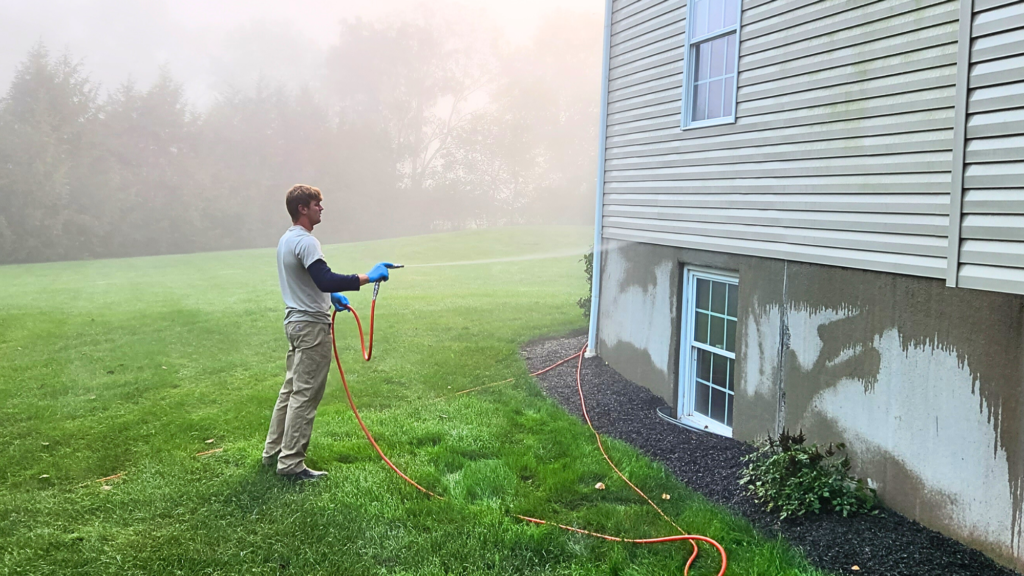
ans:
(328, 281)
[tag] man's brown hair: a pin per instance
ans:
(301, 195)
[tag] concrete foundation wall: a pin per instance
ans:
(924, 383)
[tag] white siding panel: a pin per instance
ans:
(920, 224)
(875, 21)
(645, 51)
(933, 183)
(651, 31)
(930, 100)
(670, 95)
(625, 8)
(998, 46)
(622, 9)
(994, 278)
(842, 148)
(992, 221)
(655, 111)
(645, 11)
(993, 253)
(993, 227)
(994, 175)
(668, 142)
(798, 21)
(995, 98)
(995, 72)
(853, 165)
(881, 203)
(995, 149)
(884, 86)
(982, 5)
(943, 55)
(646, 88)
(893, 243)
(757, 10)
(866, 260)
(676, 68)
(994, 201)
(997, 123)
(672, 35)
(647, 63)
(879, 145)
(994, 21)
(908, 42)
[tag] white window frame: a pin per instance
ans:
(687, 359)
(689, 73)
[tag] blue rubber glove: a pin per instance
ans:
(340, 302)
(379, 273)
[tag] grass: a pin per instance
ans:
(131, 366)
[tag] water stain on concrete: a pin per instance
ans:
(981, 329)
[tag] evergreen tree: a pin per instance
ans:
(45, 120)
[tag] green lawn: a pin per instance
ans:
(131, 366)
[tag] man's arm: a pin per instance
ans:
(327, 281)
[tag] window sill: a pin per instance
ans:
(695, 425)
(709, 124)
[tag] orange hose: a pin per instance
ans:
(368, 353)
(600, 444)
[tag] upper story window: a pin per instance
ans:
(712, 56)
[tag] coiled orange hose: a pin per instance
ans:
(368, 353)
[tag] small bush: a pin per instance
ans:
(588, 269)
(793, 478)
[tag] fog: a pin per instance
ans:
(137, 128)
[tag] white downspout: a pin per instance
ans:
(595, 292)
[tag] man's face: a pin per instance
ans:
(313, 212)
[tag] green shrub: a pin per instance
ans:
(588, 269)
(793, 478)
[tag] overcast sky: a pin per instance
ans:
(213, 43)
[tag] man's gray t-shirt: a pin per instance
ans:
(303, 301)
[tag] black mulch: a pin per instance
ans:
(884, 545)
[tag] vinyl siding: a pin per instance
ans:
(842, 149)
(992, 220)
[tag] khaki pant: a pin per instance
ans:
(307, 364)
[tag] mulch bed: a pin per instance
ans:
(885, 545)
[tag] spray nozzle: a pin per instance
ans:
(394, 266)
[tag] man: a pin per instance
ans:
(308, 287)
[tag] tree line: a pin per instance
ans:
(411, 128)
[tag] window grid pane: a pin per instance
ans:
(717, 337)
(718, 295)
(702, 399)
(718, 405)
(700, 102)
(703, 294)
(701, 330)
(710, 16)
(700, 20)
(714, 78)
(713, 375)
(716, 12)
(732, 13)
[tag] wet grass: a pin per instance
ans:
(131, 366)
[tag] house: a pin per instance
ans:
(811, 216)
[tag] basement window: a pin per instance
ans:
(708, 356)
(712, 58)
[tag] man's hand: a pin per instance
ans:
(379, 273)
(340, 302)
